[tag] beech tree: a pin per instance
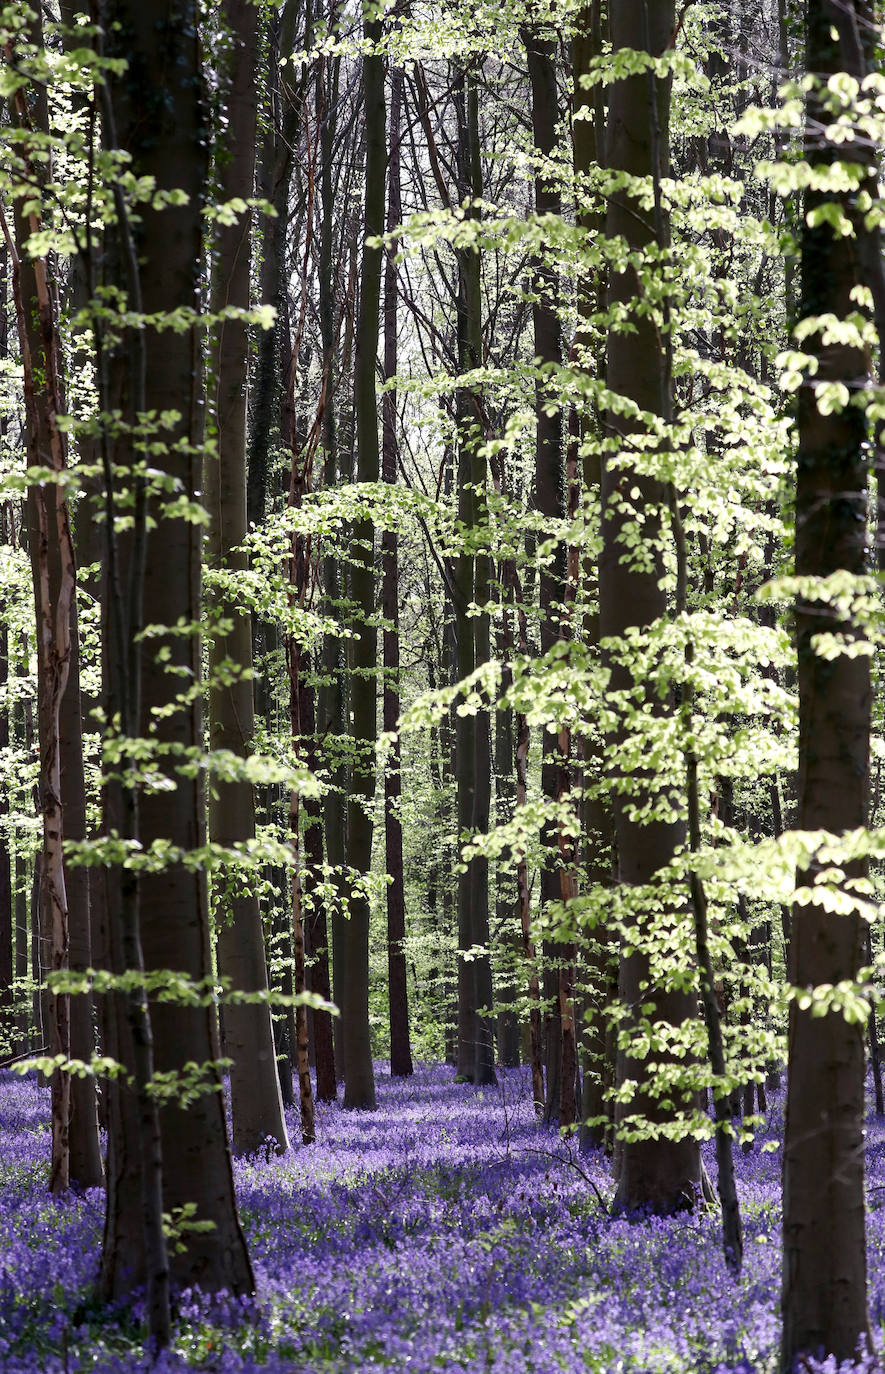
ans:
(359, 1085)
(256, 1104)
(159, 920)
(824, 1273)
(659, 1172)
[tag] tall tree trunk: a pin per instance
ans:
(400, 1049)
(550, 502)
(655, 1172)
(330, 704)
(155, 111)
(359, 1083)
(588, 130)
(476, 1046)
(824, 1270)
(54, 580)
(256, 1102)
(7, 911)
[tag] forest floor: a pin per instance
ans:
(444, 1232)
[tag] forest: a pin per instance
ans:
(442, 583)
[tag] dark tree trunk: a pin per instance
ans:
(256, 1104)
(550, 501)
(86, 1167)
(155, 111)
(473, 765)
(506, 884)
(400, 1048)
(658, 1173)
(331, 697)
(274, 179)
(588, 130)
(7, 933)
(359, 1083)
(824, 1270)
(316, 920)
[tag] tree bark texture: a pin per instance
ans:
(54, 584)
(824, 1267)
(157, 107)
(660, 1174)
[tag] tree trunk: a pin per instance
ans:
(824, 1269)
(86, 1166)
(588, 130)
(274, 179)
(332, 728)
(400, 1049)
(657, 1173)
(316, 920)
(359, 1084)
(54, 586)
(256, 1103)
(476, 1058)
(506, 886)
(7, 931)
(155, 111)
(550, 502)
(512, 592)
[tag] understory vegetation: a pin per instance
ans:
(447, 1231)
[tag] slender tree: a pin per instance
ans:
(400, 1049)
(473, 764)
(549, 500)
(359, 1084)
(256, 1104)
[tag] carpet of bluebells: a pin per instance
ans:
(446, 1231)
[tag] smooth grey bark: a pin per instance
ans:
(256, 1102)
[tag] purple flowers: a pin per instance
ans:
(445, 1232)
